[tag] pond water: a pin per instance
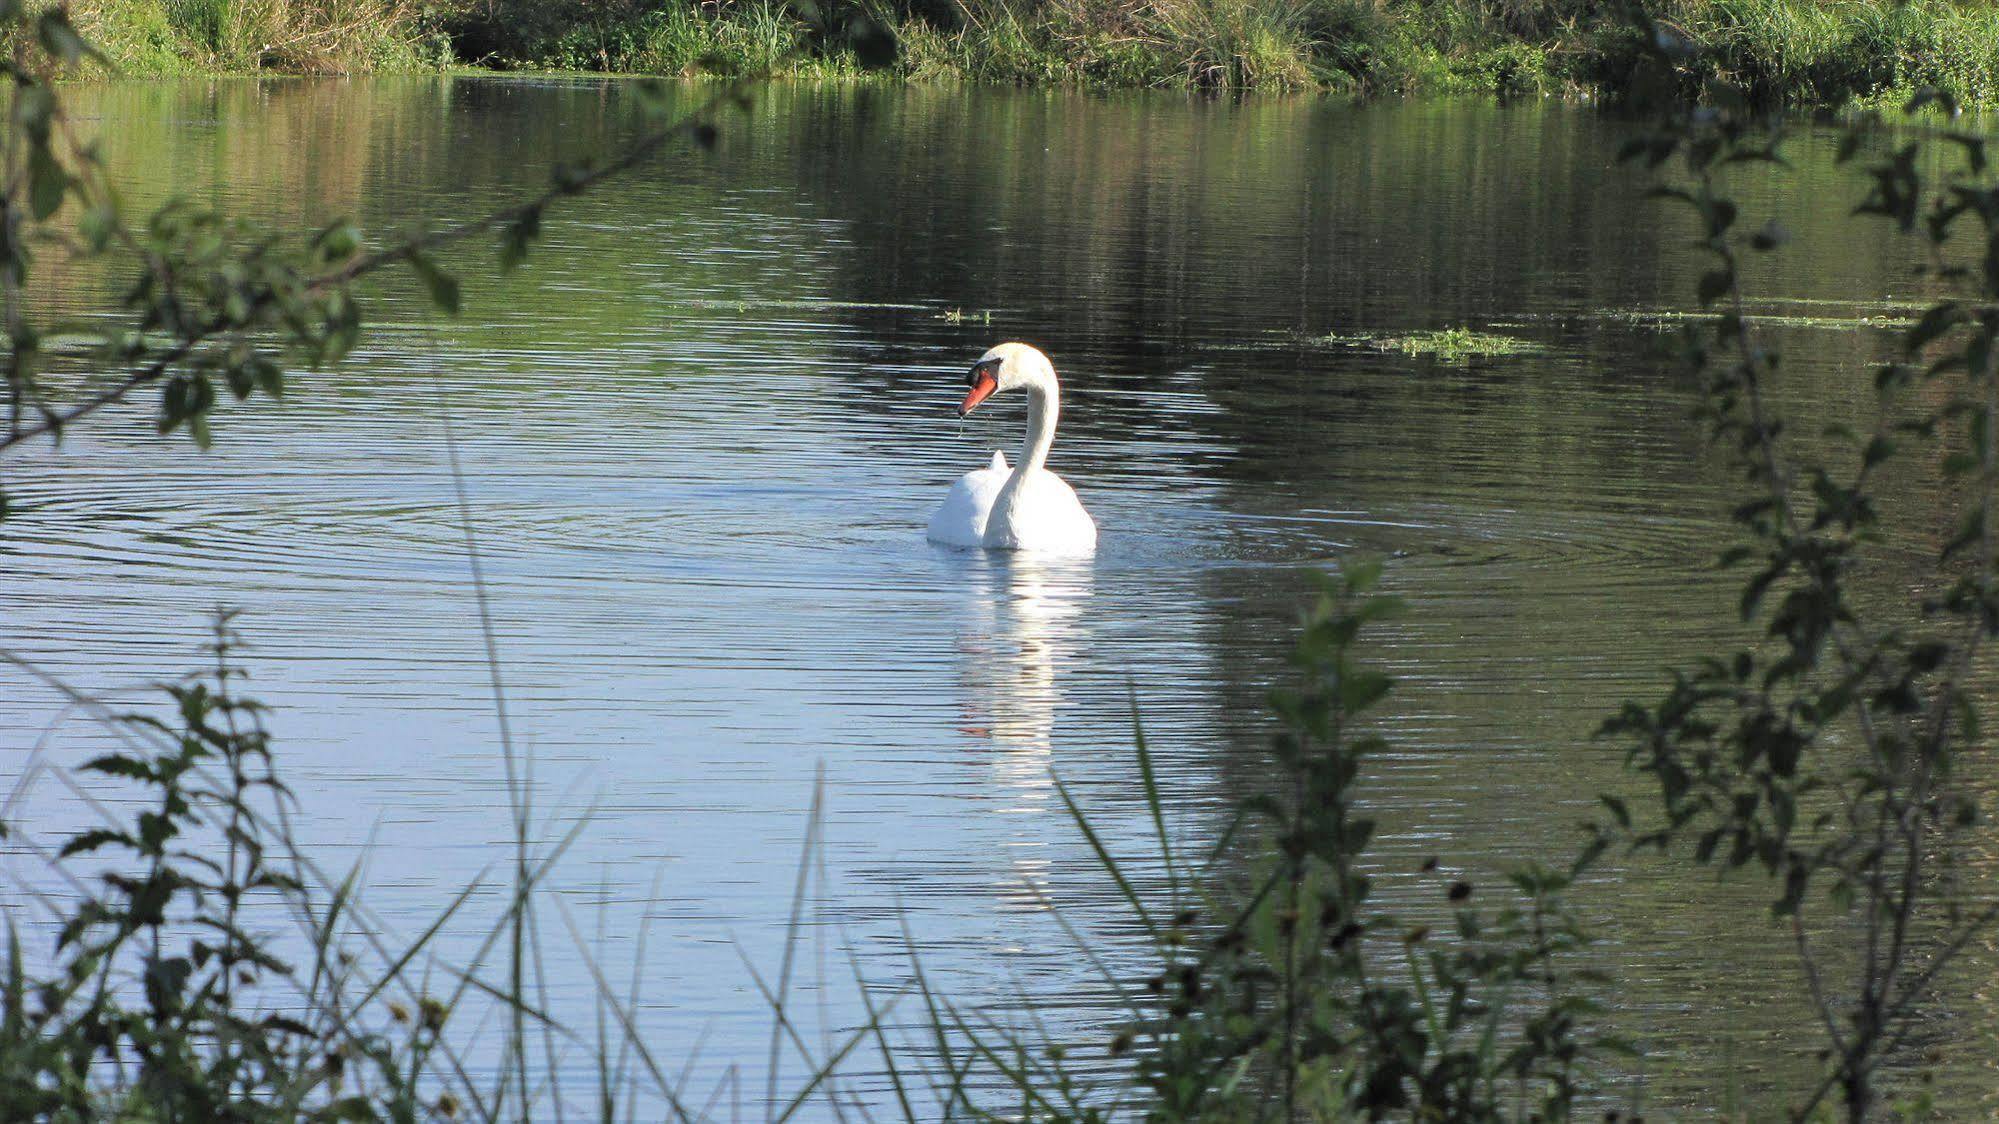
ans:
(701, 434)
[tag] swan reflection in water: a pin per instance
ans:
(1025, 623)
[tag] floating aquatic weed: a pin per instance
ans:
(1887, 315)
(792, 303)
(1448, 344)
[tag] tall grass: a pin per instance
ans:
(735, 37)
(1806, 52)
(290, 36)
(1828, 51)
(1815, 52)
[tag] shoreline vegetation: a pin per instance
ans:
(1806, 53)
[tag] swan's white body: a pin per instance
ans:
(961, 519)
(1026, 507)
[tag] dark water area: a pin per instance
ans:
(702, 432)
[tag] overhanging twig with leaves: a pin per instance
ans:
(213, 302)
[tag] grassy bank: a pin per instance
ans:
(1809, 52)
(163, 38)
(1804, 52)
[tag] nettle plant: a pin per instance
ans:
(1830, 755)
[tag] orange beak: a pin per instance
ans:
(983, 385)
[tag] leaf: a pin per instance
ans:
(285, 1025)
(1362, 688)
(155, 830)
(650, 93)
(1356, 835)
(337, 242)
(267, 375)
(1720, 214)
(1618, 810)
(517, 236)
(443, 287)
(1773, 235)
(1362, 576)
(119, 765)
(1974, 149)
(93, 840)
(1795, 878)
(47, 182)
(1935, 321)
(59, 38)
(238, 381)
(34, 110)
(1932, 95)
(348, 1108)
(1714, 283)
(1878, 450)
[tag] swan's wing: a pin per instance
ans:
(1071, 530)
(1048, 518)
(961, 519)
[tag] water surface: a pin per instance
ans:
(701, 436)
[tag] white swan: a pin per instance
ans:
(1029, 507)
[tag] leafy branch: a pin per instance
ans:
(1827, 756)
(211, 301)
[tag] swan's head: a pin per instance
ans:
(1009, 366)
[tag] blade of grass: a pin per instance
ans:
(1104, 858)
(778, 1021)
(1152, 800)
(625, 1019)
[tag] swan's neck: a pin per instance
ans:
(1044, 405)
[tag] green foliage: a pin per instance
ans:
(1826, 757)
(680, 38)
(1794, 51)
(211, 306)
(1816, 53)
(1292, 993)
(159, 999)
(165, 996)
(1335, 1006)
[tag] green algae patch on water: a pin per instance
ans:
(1887, 316)
(1451, 345)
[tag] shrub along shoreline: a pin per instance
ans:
(1798, 52)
